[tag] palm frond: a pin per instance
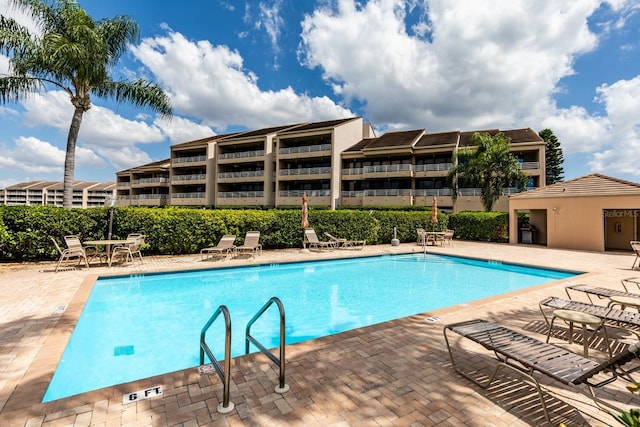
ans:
(140, 93)
(15, 88)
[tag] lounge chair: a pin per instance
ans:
(251, 243)
(224, 247)
(311, 239)
(613, 317)
(635, 245)
(346, 243)
(128, 250)
(448, 237)
(73, 250)
(527, 356)
(598, 292)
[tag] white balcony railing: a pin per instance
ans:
(149, 196)
(387, 168)
(243, 174)
(530, 165)
(432, 192)
(241, 154)
(240, 194)
(162, 180)
(433, 167)
(192, 177)
(305, 171)
(305, 149)
(190, 159)
(299, 193)
(194, 195)
(352, 171)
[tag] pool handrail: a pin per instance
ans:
(224, 374)
(282, 387)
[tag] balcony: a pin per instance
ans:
(352, 173)
(189, 177)
(252, 155)
(240, 198)
(294, 197)
(432, 169)
(124, 184)
(305, 151)
(243, 176)
(388, 171)
(182, 161)
(149, 199)
(318, 173)
(529, 165)
(381, 197)
(196, 198)
(150, 182)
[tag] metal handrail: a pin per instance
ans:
(224, 374)
(282, 387)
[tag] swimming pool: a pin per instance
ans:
(138, 326)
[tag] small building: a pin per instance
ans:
(594, 212)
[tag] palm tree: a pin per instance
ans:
(490, 166)
(72, 52)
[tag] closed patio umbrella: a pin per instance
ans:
(434, 213)
(305, 211)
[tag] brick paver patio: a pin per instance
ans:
(396, 373)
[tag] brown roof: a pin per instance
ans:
(321, 125)
(442, 138)
(465, 137)
(585, 186)
(259, 132)
(160, 164)
(522, 135)
(360, 145)
(207, 139)
(400, 139)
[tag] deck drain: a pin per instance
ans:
(60, 309)
(123, 350)
(432, 319)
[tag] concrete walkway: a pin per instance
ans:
(396, 373)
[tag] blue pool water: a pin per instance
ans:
(138, 326)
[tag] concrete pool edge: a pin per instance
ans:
(47, 351)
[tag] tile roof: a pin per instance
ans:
(522, 135)
(320, 125)
(400, 139)
(465, 137)
(433, 139)
(593, 185)
(261, 132)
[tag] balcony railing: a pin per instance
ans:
(530, 165)
(387, 168)
(194, 195)
(149, 196)
(305, 149)
(305, 171)
(433, 167)
(191, 159)
(432, 192)
(244, 174)
(192, 177)
(124, 183)
(162, 180)
(352, 171)
(240, 194)
(300, 193)
(242, 154)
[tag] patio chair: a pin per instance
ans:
(612, 317)
(447, 238)
(224, 247)
(251, 243)
(422, 235)
(311, 239)
(346, 243)
(598, 292)
(635, 245)
(527, 356)
(73, 250)
(128, 250)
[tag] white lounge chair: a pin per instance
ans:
(311, 239)
(251, 243)
(224, 247)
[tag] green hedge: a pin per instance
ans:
(25, 230)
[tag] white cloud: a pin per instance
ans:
(179, 129)
(36, 156)
(210, 82)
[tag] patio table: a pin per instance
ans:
(109, 245)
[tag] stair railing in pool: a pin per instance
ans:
(282, 387)
(224, 374)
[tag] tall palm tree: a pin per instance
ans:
(490, 166)
(70, 51)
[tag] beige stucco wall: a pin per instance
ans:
(577, 222)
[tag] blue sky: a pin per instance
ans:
(440, 65)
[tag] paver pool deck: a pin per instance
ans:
(395, 373)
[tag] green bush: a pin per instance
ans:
(25, 230)
(481, 226)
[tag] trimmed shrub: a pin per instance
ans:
(481, 226)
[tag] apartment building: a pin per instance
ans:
(338, 162)
(86, 194)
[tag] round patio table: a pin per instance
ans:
(585, 319)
